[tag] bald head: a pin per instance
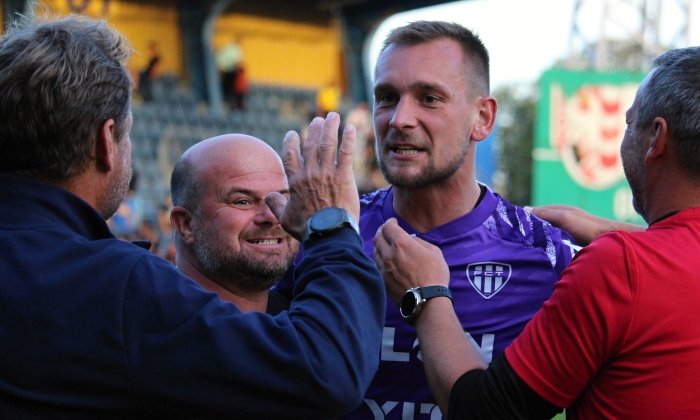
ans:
(210, 161)
(227, 238)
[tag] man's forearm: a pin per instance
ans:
(447, 353)
(339, 306)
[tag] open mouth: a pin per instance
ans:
(265, 241)
(405, 150)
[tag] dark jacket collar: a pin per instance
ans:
(28, 203)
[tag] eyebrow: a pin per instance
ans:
(417, 86)
(247, 191)
(382, 87)
(425, 86)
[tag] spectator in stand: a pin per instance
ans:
(361, 118)
(229, 59)
(149, 73)
(227, 238)
(240, 87)
(96, 327)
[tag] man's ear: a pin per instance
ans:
(181, 220)
(486, 119)
(104, 146)
(659, 139)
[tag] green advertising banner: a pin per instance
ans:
(579, 127)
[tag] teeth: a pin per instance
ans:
(407, 151)
(267, 242)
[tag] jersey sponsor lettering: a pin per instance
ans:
(389, 352)
(408, 410)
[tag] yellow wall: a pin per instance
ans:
(274, 51)
(284, 52)
(141, 23)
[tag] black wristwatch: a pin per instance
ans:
(413, 300)
(327, 220)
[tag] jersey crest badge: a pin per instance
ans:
(488, 278)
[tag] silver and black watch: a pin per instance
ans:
(328, 220)
(413, 300)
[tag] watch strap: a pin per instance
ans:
(422, 295)
(430, 292)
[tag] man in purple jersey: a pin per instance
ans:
(618, 337)
(432, 106)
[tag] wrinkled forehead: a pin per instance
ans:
(234, 164)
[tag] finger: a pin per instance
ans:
(553, 208)
(329, 139)
(381, 232)
(553, 215)
(378, 254)
(392, 231)
(347, 147)
(277, 203)
(309, 150)
(382, 255)
(291, 156)
(537, 211)
(380, 244)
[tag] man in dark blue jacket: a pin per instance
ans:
(95, 327)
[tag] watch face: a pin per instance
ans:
(409, 301)
(327, 218)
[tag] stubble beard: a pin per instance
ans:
(244, 271)
(430, 175)
(633, 168)
(116, 191)
(634, 177)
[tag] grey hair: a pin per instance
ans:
(673, 93)
(60, 80)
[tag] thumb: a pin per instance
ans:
(277, 203)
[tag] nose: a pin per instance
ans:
(404, 115)
(264, 215)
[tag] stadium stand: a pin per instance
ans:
(173, 121)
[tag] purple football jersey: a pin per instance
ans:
(503, 263)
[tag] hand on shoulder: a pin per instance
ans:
(583, 226)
